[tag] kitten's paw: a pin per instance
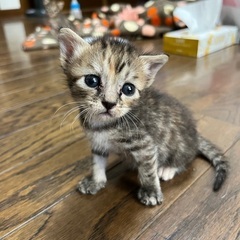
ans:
(150, 197)
(89, 186)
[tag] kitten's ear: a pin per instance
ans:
(152, 64)
(71, 45)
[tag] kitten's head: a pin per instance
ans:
(106, 76)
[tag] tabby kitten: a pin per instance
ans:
(110, 80)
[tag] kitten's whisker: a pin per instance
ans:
(127, 124)
(62, 107)
(86, 117)
(91, 115)
(136, 118)
(74, 120)
(77, 117)
(68, 114)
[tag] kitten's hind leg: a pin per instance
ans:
(91, 185)
(167, 173)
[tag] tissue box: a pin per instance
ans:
(200, 44)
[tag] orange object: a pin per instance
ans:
(29, 44)
(116, 32)
(47, 28)
(169, 21)
(176, 20)
(105, 23)
(156, 20)
(87, 25)
(152, 11)
(94, 15)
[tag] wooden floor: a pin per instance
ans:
(44, 153)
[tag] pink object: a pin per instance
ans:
(148, 30)
(128, 14)
(140, 9)
(104, 9)
(232, 3)
(140, 21)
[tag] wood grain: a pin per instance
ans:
(55, 106)
(211, 216)
(21, 146)
(41, 163)
(98, 224)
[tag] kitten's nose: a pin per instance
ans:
(108, 105)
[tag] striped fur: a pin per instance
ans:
(152, 128)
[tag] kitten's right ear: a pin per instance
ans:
(152, 64)
(71, 45)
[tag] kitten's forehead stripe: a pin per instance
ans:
(109, 60)
(120, 68)
(127, 75)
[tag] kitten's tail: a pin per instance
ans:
(216, 158)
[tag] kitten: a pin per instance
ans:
(110, 80)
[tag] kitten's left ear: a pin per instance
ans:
(71, 45)
(152, 64)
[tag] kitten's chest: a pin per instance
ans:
(105, 140)
(101, 140)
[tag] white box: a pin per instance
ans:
(197, 45)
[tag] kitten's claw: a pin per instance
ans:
(89, 186)
(150, 197)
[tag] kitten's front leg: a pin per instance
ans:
(150, 192)
(91, 185)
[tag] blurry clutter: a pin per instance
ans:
(150, 20)
(190, 28)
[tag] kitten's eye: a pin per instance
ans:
(128, 89)
(92, 81)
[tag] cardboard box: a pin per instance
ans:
(181, 42)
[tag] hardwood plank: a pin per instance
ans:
(201, 214)
(226, 109)
(42, 182)
(32, 58)
(28, 82)
(17, 119)
(222, 104)
(28, 189)
(32, 228)
(207, 78)
(74, 217)
(24, 145)
(13, 75)
(31, 95)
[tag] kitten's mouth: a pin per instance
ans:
(106, 114)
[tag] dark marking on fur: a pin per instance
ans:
(100, 153)
(103, 44)
(125, 140)
(120, 68)
(136, 148)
